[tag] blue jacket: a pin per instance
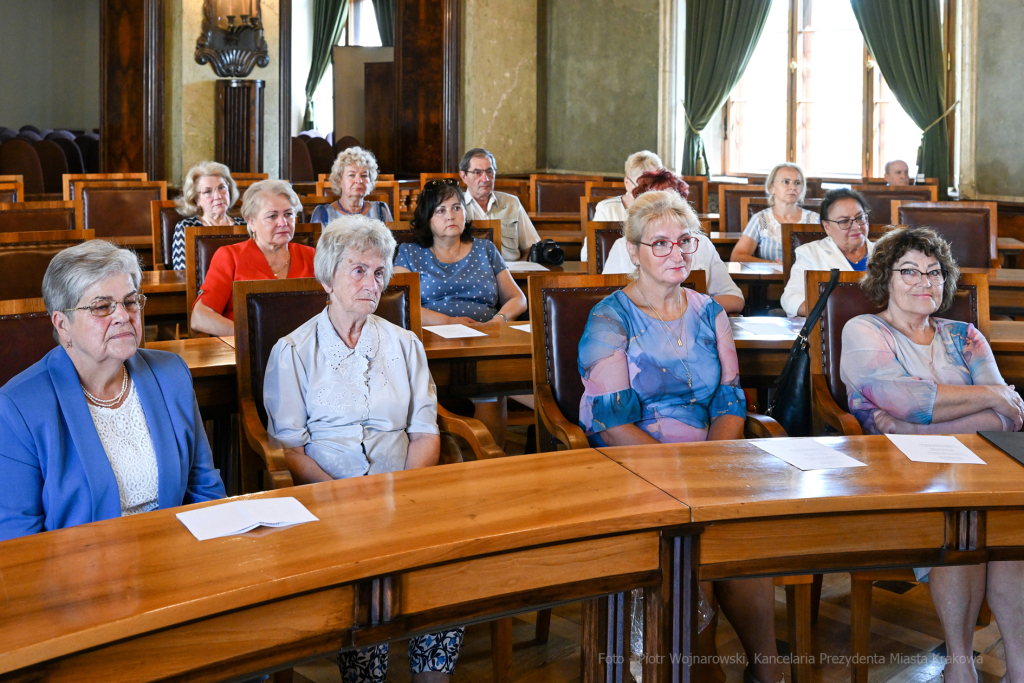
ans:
(53, 468)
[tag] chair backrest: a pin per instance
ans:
(121, 210)
(848, 301)
(25, 256)
(71, 182)
(11, 192)
(324, 189)
(301, 163)
(424, 177)
(393, 191)
(90, 146)
(27, 333)
(603, 190)
(163, 216)
(321, 154)
(796, 235)
(514, 186)
(588, 208)
(255, 177)
(751, 205)
(730, 213)
(53, 163)
(482, 230)
(558, 193)
(18, 157)
(879, 197)
(601, 235)
(560, 306)
(698, 195)
(22, 216)
(309, 204)
(969, 227)
(344, 142)
(72, 154)
(267, 310)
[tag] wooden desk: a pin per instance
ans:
(761, 284)
(1007, 340)
(499, 364)
(139, 599)
(563, 228)
(1006, 291)
(212, 363)
(567, 267)
(165, 293)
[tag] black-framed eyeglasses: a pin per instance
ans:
(106, 307)
(662, 248)
(847, 223)
(438, 183)
(477, 172)
(912, 276)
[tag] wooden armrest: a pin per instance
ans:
(566, 432)
(829, 410)
(267, 447)
(472, 430)
(759, 426)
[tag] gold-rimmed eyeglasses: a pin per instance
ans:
(106, 307)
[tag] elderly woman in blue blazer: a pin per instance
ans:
(99, 428)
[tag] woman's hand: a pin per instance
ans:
(887, 424)
(209, 321)
(1007, 402)
(461, 320)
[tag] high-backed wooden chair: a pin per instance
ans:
(22, 216)
(588, 209)
(54, 165)
(27, 333)
(71, 181)
(602, 190)
(798, 234)
(830, 408)
(551, 193)
(18, 157)
(730, 213)
(11, 192)
(321, 154)
(878, 198)
(25, 256)
(424, 177)
(119, 211)
(698, 194)
(601, 235)
(301, 170)
(163, 216)
(202, 242)
(519, 188)
(971, 228)
(484, 230)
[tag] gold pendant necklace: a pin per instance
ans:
(678, 338)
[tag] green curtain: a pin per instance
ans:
(385, 12)
(905, 38)
(329, 17)
(720, 38)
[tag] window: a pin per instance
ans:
(810, 94)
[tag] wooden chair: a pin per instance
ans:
(730, 213)
(829, 407)
(603, 190)
(751, 205)
(19, 216)
(163, 217)
(424, 177)
(309, 204)
(971, 228)
(27, 332)
(12, 191)
(484, 230)
(254, 177)
(19, 157)
(519, 188)
(25, 256)
(71, 181)
(798, 234)
(878, 198)
(588, 208)
(601, 235)
(119, 211)
(551, 193)
(698, 195)
(392, 190)
(560, 305)
(201, 242)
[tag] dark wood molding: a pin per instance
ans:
(153, 151)
(452, 69)
(285, 96)
(238, 126)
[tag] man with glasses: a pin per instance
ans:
(478, 170)
(844, 217)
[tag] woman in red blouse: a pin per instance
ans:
(269, 208)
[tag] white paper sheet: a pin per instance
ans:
(807, 454)
(945, 449)
(525, 327)
(762, 330)
(454, 331)
(239, 516)
(525, 266)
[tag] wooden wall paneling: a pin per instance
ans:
(239, 124)
(132, 86)
(379, 108)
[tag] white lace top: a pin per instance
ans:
(352, 409)
(125, 437)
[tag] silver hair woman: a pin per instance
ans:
(206, 196)
(353, 176)
(269, 208)
(90, 426)
(321, 408)
(785, 188)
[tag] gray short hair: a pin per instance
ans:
(188, 202)
(254, 196)
(353, 156)
(472, 154)
(654, 206)
(358, 232)
(771, 181)
(639, 163)
(78, 268)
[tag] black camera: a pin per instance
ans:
(546, 251)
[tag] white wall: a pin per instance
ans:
(350, 87)
(50, 64)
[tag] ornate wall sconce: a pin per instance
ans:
(232, 38)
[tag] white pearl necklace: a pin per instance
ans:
(114, 401)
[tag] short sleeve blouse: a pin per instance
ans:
(468, 287)
(325, 213)
(764, 229)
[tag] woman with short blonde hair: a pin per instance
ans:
(785, 188)
(353, 176)
(207, 195)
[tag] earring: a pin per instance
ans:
(68, 345)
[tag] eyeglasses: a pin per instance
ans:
(912, 276)
(477, 172)
(106, 307)
(438, 183)
(847, 223)
(662, 248)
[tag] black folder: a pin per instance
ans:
(1011, 443)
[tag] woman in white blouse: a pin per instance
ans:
(349, 394)
(785, 188)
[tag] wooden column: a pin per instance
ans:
(239, 124)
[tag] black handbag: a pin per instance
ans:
(790, 394)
